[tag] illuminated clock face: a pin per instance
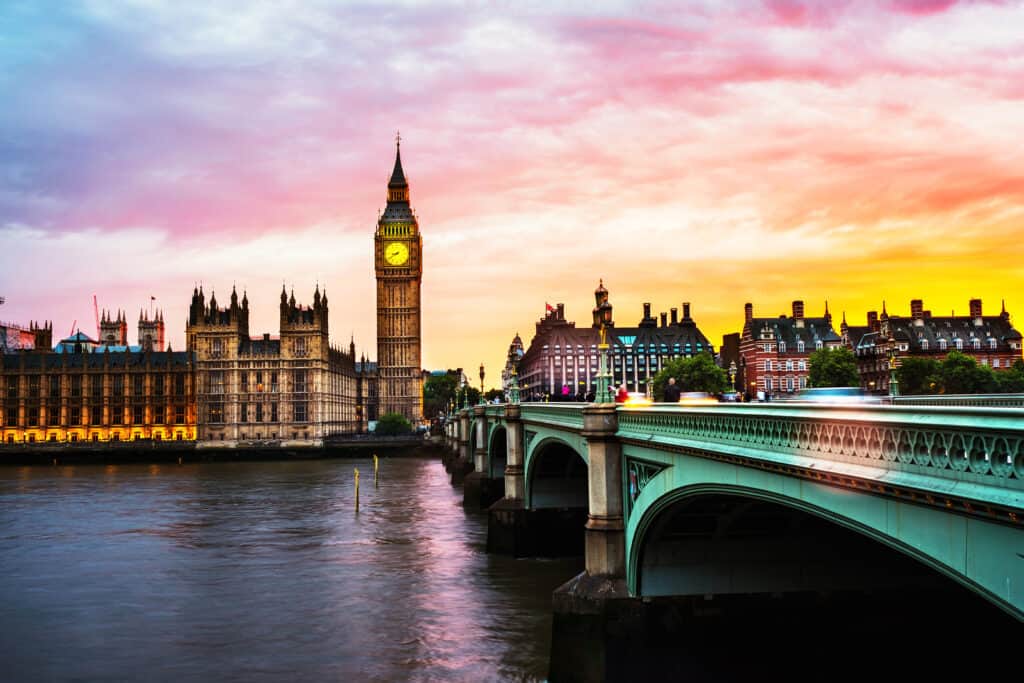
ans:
(396, 253)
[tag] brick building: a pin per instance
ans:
(774, 352)
(991, 340)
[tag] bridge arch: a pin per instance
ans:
(660, 563)
(497, 451)
(556, 476)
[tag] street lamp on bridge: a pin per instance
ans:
(894, 386)
(482, 383)
(602, 321)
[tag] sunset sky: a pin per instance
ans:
(711, 152)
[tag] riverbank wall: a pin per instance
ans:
(361, 446)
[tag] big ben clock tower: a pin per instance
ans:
(398, 246)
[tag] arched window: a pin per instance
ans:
(924, 344)
(800, 346)
(942, 344)
(992, 343)
(959, 343)
(782, 347)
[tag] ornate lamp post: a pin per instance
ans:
(732, 375)
(894, 385)
(513, 387)
(482, 383)
(602, 321)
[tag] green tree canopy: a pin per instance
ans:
(438, 390)
(833, 368)
(391, 424)
(918, 376)
(697, 373)
(1011, 381)
(961, 374)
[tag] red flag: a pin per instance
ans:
(548, 307)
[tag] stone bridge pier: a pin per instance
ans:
(481, 488)
(593, 610)
(462, 464)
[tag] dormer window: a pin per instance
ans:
(976, 343)
(924, 344)
(818, 345)
(782, 347)
(800, 346)
(942, 344)
(959, 343)
(992, 343)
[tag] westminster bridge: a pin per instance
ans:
(753, 498)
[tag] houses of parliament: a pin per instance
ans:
(227, 387)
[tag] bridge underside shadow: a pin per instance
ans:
(551, 523)
(733, 588)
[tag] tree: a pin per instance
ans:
(391, 424)
(494, 394)
(438, 391)
(918, 376)
(961, 374)
(1011, 381)
(697, 373)
(833, 368)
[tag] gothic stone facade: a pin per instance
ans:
(292, 389)
(80, 392)
(398, 248)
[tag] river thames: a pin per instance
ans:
(261, 571)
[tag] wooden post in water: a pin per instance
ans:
(375, 471)
(357, 490)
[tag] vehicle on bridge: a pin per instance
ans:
(836, 395)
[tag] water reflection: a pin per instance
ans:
(261, 571)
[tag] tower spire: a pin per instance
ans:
(398, 186)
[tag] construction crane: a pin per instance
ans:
(96, 312)
(73, 327)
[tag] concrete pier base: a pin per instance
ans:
(594, 625)
(548, 532)
(601, 634)
(460, 468)
(479, 492)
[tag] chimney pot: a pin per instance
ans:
(664, 319)
(686, 310)
(675, 314)
(975, 308)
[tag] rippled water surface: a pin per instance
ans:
(261, 571)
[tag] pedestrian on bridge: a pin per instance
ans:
(672, 391)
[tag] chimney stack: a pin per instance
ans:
(647, 311)
(873, 321)
(664, 319)
(748, 312)
(675, 313)
(561, 311)
(917, 311)
(976, 311)
(686, 311)
(798, 309)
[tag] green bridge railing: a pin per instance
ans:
(964, 446)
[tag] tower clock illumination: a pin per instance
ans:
(396, 253)
(398, 261)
